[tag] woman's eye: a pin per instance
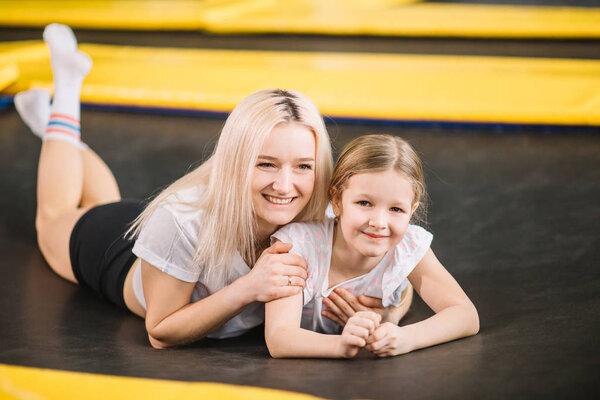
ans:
(266, 165)
(305, 166)
(363, 203)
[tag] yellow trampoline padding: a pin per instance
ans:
(421, 19)
(335, 17)
(372, 86)
(110, 14)
(34, 383)
(8, 75)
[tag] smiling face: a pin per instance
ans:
(284, 176)
(374, 211)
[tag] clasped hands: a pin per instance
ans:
(365, 325)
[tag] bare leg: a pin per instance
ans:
(99, 184)
(60, 182)
(61, 166)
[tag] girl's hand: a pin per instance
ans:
(343, 305)
(276, 274)
(357, 331)
(389, 340)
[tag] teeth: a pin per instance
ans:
(279, 201)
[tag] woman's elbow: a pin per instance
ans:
(157, 340)
(158, 344)
(473, 326)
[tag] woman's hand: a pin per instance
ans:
(343, 305)
(389, 340)
(276, 274)
(357, 331)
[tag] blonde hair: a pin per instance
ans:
(228, 220)
(376, 153)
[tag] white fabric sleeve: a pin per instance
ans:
(164, 244)
(408, 254)
(299, 235)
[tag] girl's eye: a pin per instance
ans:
(397, 210)
(363, 203)
(305, 166)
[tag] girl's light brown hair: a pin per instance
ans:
(378, 153)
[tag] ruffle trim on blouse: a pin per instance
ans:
(407, 254)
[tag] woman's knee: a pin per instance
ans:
(53, 236)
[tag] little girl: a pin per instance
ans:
(369, 248)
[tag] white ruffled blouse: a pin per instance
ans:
(313, 242)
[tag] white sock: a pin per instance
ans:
(33, 106)
(69, 68)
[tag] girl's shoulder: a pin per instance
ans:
(415, 236)
(306, 234)
(412, 247)
(406, 256)
(305, 230)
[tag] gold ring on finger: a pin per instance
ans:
(289, 280)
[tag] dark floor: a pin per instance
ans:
(515, 218)
(514, 212)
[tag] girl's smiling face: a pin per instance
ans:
(374, 211)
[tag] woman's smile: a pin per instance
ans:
(279, 201)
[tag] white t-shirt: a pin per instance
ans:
(313, 241)
(168, 242)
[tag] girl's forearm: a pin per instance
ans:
(452, 323)
(196, 320)
(293, 342)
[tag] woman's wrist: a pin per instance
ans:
(243, 292)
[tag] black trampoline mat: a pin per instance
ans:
(514, 215)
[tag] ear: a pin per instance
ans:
(414, 208)
(335, 202)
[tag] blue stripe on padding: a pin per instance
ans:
(71, 126)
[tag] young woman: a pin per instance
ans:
(197, 261)
(371, 248)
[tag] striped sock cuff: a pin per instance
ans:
(64, 125)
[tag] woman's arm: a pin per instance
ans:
(455, 315)
(172, 320)
(342, 304)
(285, 338)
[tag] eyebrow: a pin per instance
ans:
(397, 202)
(303, 159)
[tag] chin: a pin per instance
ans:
(370, 252)
(282, 219)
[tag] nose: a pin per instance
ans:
(283, 181)
(378, 219)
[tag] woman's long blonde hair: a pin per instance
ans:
(376, 153)
(228, 220)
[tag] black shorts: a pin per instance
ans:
(100, 255)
